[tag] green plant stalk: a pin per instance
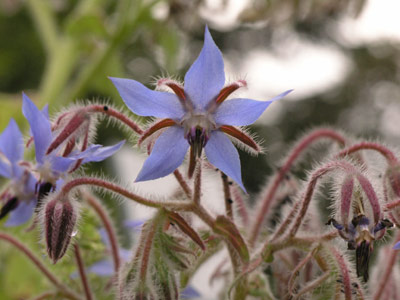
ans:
(45, 22)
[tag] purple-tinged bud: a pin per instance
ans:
(59, 221)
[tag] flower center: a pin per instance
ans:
(197, 130)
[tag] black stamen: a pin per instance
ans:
(44, 190)
(10, 205)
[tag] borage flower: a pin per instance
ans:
(54, 162)
(197, 116)
(19, 196)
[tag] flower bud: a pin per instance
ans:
(59, 221)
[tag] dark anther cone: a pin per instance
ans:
(9, 206)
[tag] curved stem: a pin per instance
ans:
(82, 273)
(345, 272)
(50, 276)
(112, 236)
(227, 196)
(306, 198)
(182, 206)
(109, 111)
(293, 156)
(391, 262)
(182, 182)
(389, 155)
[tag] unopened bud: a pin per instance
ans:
(59, 222)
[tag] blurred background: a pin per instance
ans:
(342, 58)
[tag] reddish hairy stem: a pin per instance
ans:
(197, 183)
(345, 272)
(146, 253)
(82, 273)
(115, 114)
(184, 185)
(242, 208)
(112, 236)
(119, 190)
(269, 197)
(389, 155)
(311, 187)
(227, 196)
(391, 262)
(392, 204)
(295, 272)
(50, 276)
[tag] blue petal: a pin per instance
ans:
(104, 237)
(5, 169)
(102, 153)
(40, 127)
(145, 102)
(168, 154)
(222, 154)
(206, 77)
(240, 112)
(21, 214)
(396, 246)
(45, 111)
(189, 292)
(12, 142)
(61, 164)
(125, 254)
(102, 268)
(134, 224)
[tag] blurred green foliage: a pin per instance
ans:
(61, 51)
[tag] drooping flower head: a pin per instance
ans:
(19, 196)
(197, 116)
(26, 191)
(52, 162)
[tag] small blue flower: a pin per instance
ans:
(20, 199)
(197, 116)
(52, 165)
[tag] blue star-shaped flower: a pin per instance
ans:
(54, 164)
(20, 198)
(197, 116)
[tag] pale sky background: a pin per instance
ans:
(306, 67)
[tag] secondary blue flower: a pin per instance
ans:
(20, 197)
(51, 165)
(197, 116)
